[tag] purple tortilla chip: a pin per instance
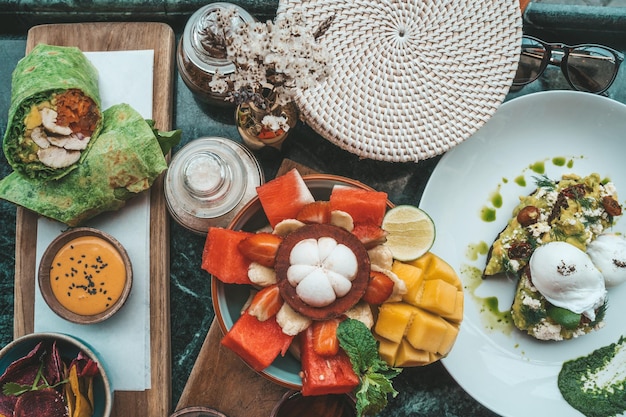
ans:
(23, 371)
(46, 402)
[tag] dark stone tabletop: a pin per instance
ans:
(427, 391)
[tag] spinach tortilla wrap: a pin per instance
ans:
(54, 115)
(125, 160)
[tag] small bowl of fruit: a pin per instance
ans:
(318, 271)
(52, 374)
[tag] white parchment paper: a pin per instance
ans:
(122, 341)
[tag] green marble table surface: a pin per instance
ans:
(427, 391)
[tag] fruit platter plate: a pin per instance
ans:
(229, 299)
(471, 195)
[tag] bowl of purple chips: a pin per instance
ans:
(53, 375)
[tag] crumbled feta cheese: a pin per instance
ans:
(539, 229)
(608, 189)
(596, 229)
(597, 212)
(541, 191)
(551, 197)
(547, 331)
(514, 265)
(531, 302)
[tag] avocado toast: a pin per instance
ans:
(574, 210)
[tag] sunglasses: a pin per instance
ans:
(587, 67)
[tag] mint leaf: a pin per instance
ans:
(357, 340)
(375, 374)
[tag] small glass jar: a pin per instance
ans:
(249, 121)
(197, 60)
(208, 181)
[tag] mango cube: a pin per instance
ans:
(426, 331)
(436, 268)
(413, 277)
(423, 261)
(387, 349)
(393, 320)
(409, 356)
(438, 297)
(448, 339)
(457, 314)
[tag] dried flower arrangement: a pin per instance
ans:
(273, 60)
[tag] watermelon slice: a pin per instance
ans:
(258, 343)
(221, 257)
(284, 196)
(364, 206)
(322, 375)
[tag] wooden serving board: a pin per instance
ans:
(221, 380)
(155, 402)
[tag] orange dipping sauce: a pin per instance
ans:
(87, 275)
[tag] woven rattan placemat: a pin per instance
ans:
(410, 78)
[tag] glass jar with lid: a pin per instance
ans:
(199, 57)
(208, 181)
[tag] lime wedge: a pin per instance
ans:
(410, 232)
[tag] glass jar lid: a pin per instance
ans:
(200, 31)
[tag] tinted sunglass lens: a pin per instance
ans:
(591, 68)
(531, 62)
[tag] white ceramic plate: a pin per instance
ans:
(513, 374)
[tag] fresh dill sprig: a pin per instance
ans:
(533, 242)
(586, 202)
(558, 234)
(561, 235)
(545, 182)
